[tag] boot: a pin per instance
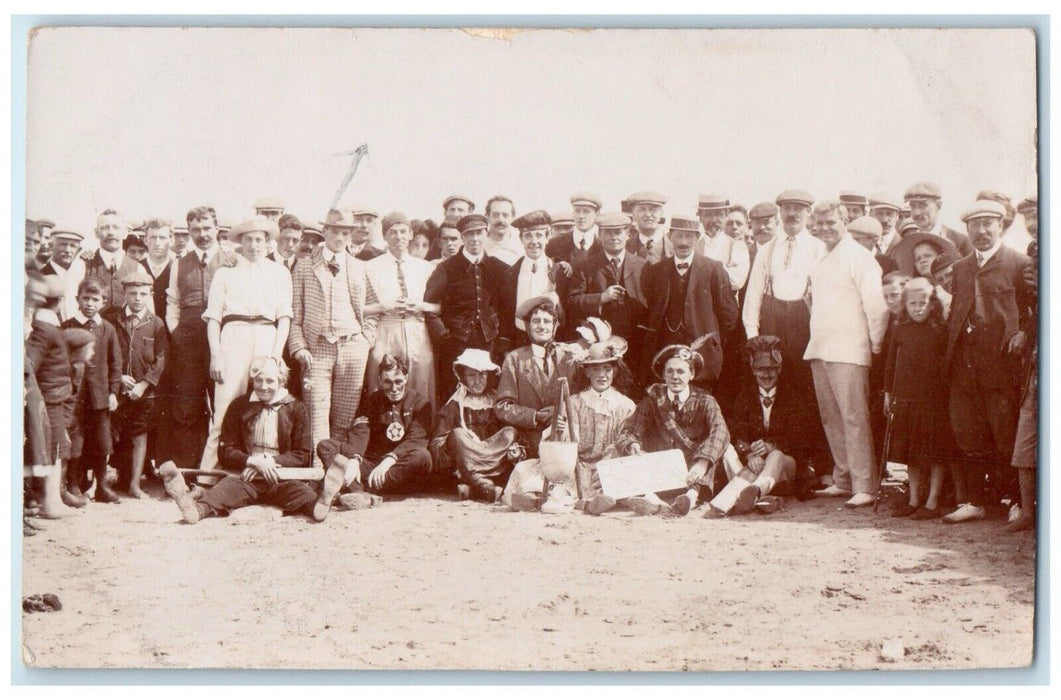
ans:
(70, 498)
(103, 494)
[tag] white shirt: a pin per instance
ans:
(731, 253)
(848, 316)
(530, 284)
(682, 397)
(71, 278)
(473, 259)
(261, 288)
(884, 242)
(788, 283)
(539, 356)
(982, 258)
(126, 313)
(508, 250)
(382, 275)
(683, 261)
(157, 270)
(658, 248)
(112, 260)
(772, 394)
(589, 236)
(83, 319)
(337, 258)
(619, 259)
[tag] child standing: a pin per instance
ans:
(143, 341)
(98, 393)
(916, 397)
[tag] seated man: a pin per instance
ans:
(469, 439)
(676, 415)
(263, 431)
(761, 426)
(386, 452)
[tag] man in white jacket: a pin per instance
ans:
(848, 318)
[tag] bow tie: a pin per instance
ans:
(682, 267)
(333, 267)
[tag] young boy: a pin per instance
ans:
(143, 341)
(98, 393)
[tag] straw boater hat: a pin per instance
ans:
(269, 204)
(255, 223)
(694, 358)
(606, 351)
(476, 359)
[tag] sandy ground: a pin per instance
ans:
(436, 584)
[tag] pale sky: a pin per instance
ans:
(154, 121)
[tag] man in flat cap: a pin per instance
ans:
(607, 284)
(271, 208)
(762, 224)
(1029, 209)
(925, 200)
(67, 265)
(330, 334)
(986, 334)
(712, 210)
(563, 223)
(583, 240)
(533, 275)
(848, 318)
(867, 231)
(885, 209)
(776, 299)
(689, 297)
(43, 253)
(648, 240)
(457, 205)
(502, 240)
(467, 288)
(187, 376)
(110, 263)
(362, 219)
(855, 204)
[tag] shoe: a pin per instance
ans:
(904, 511)
(965, 513)
(832, 490)
(333, 482)
(173, 481)
(1014, 512)
(70, 498)
(643, 506)
(746, 500)
(599, 504)
(768, 504)
(497, 493)
(1024, 522)
(924, 513)
(524, 502)
(359, 500)
(860, 499)
(464, 492)
(681, 505)
(713, 513)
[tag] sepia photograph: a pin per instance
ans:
(529, 349)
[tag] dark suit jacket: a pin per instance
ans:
(887, 263)
(1006, 292)
(452, 285)
(960, 240)
(594, 275)
(143, 344)
(563, 248)
(46, 351)
(158, 290)
(709, 304)
(368, 435)
(524, 388)
(745, 420)
(103, 375)
(237, 433)
(113, 294)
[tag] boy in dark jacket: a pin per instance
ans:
(97, 395)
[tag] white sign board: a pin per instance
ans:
(638, 475)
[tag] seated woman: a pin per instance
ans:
(263, 431)
(676, 415)
(762, 428)
(470, 441)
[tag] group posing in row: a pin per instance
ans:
(787, 349)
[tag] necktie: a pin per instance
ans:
(674, 402)
(90, 325)
(788, 251)
(648, 245)
(582, 243)
(980, 260)
(112, 268)
(202, 260)
(401, 281)
(333, 267)
(768, 401)
(534, 268)
(545, 359)
(615, 267)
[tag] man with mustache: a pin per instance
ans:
(531, 276)
(885, 209)
(925, 200)
(584, 238)
(502, 240)
(69, 267)
(364, 218)
(110, 263)
(854, 204)
(648, 240)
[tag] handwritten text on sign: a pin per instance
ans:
(640, 474)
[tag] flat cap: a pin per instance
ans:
(472, 222)
(69, 235)
(539, 218)
(255, 223)
(393, 219)
(138, 278)
(309, 232)
(712, 201)
(458, 198)
(1027, 204)
(613, 220)
(182, 230)
(908, 227)
(763, 210)
(848, 197)
(923, 190)
(764, 351)
(646, 197)
(565, 217)
(684, 223)
(269, 203)
(799, 196)
(883, 200)
(588, 199)
(361, 210)
(866, 226)
(984, 208)
(48, 223)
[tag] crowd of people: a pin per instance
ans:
(789, 349)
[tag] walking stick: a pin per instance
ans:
(882, 467)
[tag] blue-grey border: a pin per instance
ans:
(1037, 674)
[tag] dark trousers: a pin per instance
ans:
(92, 446)
(232, 492)
(410, 474)
(184, 410)
(984, 417)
